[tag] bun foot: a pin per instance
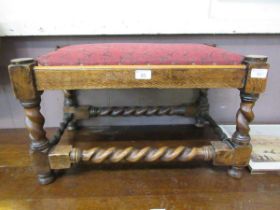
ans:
(199, 122)
(72, 126)
(46, 178)
(235, 172)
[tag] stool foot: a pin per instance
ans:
(72, 126)
(46, 178)
(235, 172)
(199, 122)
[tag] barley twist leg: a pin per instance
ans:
(241, 136)
(39, 146)
(203, 108)
(70, 100)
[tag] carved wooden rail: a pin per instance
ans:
(139, 110)
(85, 112)
(148, 154)
(62, 156)
(222, 153)
(216, 128)
(59, 132)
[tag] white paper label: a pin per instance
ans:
(259, 73)
(157, 209)
(143, 74)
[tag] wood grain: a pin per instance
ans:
(256, 85)
(86, 187)
(21, 76)
(253, 84)
(163, 76)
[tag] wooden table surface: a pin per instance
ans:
(129, 188)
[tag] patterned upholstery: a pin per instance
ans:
(139, 53)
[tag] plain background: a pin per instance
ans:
(111, 17)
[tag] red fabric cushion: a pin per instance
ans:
(139, 53)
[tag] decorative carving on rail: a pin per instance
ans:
(147, 154)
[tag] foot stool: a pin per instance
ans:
(137, 65)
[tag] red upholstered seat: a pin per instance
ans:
(139, 53)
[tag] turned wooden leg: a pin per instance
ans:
(241, 137)
(70, 100)
(39, 146)
(255, 83)
(203, 108)
(21, 75)
(244, 117)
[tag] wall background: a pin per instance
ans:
(224, 102)
(89, 17)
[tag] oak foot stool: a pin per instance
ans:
(123, 66)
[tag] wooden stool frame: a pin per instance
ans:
(30, 80)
